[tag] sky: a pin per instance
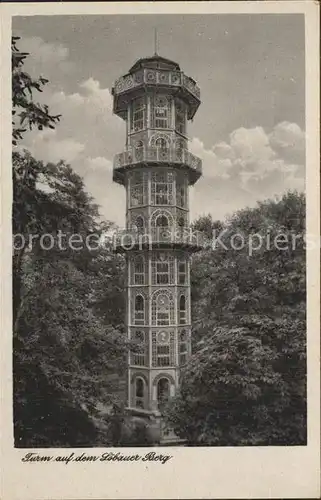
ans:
(250, 127)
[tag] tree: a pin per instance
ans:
(67, 347)
(25, 111)
(246, 381)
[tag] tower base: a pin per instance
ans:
(164, 435)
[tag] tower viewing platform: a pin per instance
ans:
(153, 155)
(156, 73)
(176, 237)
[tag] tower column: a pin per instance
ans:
(156, 99)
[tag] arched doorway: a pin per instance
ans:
(163, 392)
(140, 393)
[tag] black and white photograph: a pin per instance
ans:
(159, 233)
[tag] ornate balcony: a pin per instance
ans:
(173, 81)
(131, 239)
(154, 155)
(157, 77)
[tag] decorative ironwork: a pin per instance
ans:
(139, 270)
(163, 348)
(138, 114)
(161, 219)
(128, 239)
(163, 313)
(139, 358)
(137, 223)
(138, 189)
(139, 307)
(162, 188)
(181, 191)
(161, 116)
(183, 340)
(150, 76)
(162, 268)
(180, 117)
(159, 155)
(182, 271)
(156, 140)
(182, 310)
(156, 170)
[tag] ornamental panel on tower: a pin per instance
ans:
(156, 99)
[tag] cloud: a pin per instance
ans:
(99, 163)
(213, 164)
(87, 137)
(87, 129)
(45, 52)
(91, 99)
(252, 153)
(46, 146)
(252, 165)
(289, 141)
(88, 115)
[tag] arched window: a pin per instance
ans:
(182, 310)
(140, 393)
(162, 188)
(162, 308)
(139, 150)
(139, 270)
(162, 225)
(161, 112)
(163, 391)
(139, 224)
(138, 114)
(182, 272)
(162, 232)
(162, 268)
(163, 348)
(161, 143)
(139, 315)
(162, 221)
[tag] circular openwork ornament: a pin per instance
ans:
(163, 337)
(129, 82)
(175, 78)
(151, 76)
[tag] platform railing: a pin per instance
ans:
(131, 238)
(158, 77)
(155, 154)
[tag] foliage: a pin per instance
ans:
(125, 429)
(68, 340)
(25, 112)
(60, 334)
(246, 381)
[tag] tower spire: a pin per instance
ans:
(155, 41)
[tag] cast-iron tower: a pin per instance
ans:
(156, 99)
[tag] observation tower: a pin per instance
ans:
(156, 100)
